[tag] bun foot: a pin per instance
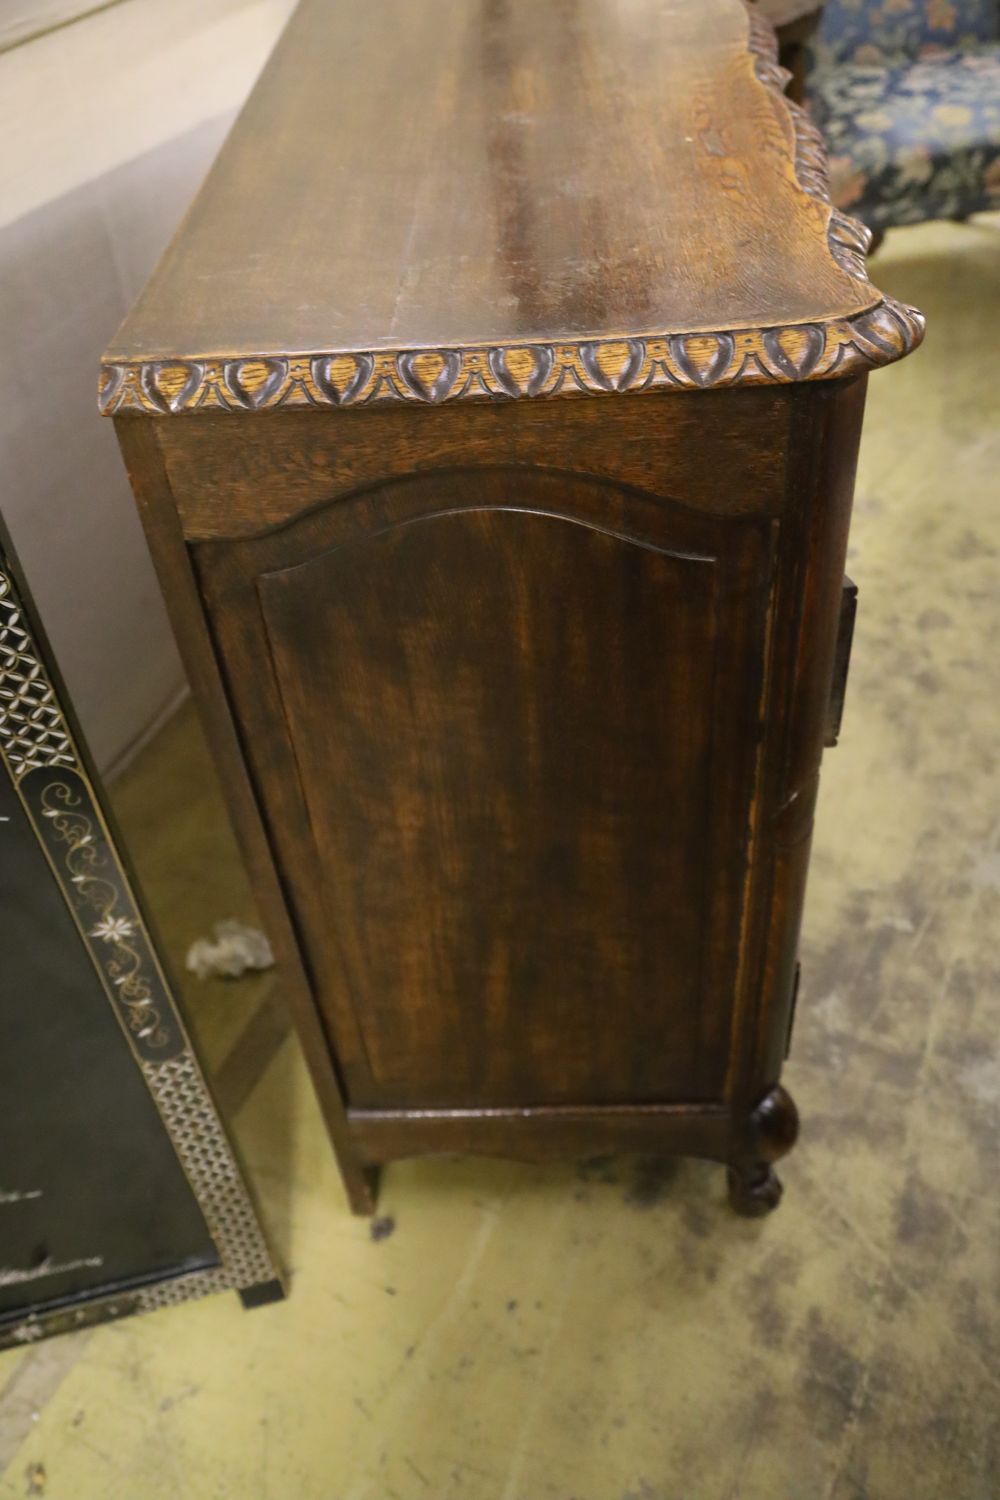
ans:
(768, 1135)
(754, 1193)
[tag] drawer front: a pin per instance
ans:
(503, 727)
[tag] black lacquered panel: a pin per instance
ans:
(92, 1195)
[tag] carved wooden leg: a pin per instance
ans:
(754, 1188)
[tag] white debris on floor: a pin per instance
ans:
(229, 952)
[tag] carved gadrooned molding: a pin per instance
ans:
(821, 350)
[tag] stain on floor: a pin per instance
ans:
(609, 1330)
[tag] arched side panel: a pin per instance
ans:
(495, 709)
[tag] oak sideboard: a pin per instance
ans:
(493, 419)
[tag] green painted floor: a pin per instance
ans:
(613, 1332)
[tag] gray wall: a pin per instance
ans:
(68, 272)
(84, 216)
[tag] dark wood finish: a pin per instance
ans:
(173, 565)
(429, 684)
(539, 1134)
(520, 702)
(551, 129)
(754, 1188)
(618, 201)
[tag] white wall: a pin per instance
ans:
(20, 20)
(109, 125)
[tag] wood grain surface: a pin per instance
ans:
(430, 201)
(521, 702)
(523, 852)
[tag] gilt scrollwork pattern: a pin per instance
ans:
(110, 927)
(38, 753)
(37, 748)
(683, 361)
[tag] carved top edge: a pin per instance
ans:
(702, 360)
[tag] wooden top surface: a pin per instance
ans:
(509, 179)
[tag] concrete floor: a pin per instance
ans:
(612, 1332)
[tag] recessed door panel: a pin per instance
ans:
(505, 720)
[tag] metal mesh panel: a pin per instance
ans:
(189, 1115)
(33, 732)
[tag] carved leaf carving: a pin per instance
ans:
(255, 382)
(658, 360)
(703, 357)
(430, 374)
(340, 378)
(795, 352)
(614, 365)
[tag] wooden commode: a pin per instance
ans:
(493, 418)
